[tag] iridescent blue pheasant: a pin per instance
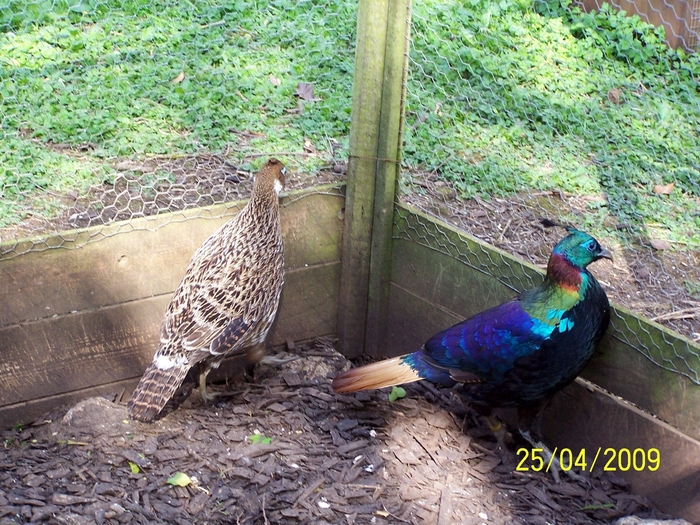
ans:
(519, 353)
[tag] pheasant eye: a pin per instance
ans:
(591, 246)
(283, 171)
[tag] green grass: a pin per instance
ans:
(101, 73)
(503, 97)
(522, 89)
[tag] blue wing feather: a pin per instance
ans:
(488, 343)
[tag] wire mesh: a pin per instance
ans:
(672, 354)
(522, 109)
(115, 110)
(694, 24)
(679, 18)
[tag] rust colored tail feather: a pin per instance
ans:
(154, 390)
(389, 372)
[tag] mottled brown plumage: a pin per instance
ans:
(226, 302)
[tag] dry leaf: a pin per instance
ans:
(309, 146)
(614, 96)
(275, 81)
(339, 167)
(663, 189)
(659, 244)
(178, 78)
(305, 90)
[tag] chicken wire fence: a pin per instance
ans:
(672, 354)
(116, 110)
(517, 109)
(679, 18)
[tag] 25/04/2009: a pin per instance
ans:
(623, 459)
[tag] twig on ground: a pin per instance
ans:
(686, 313)
(280, 154)
(263, 510)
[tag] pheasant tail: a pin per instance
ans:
(154, 390)
(389, 372)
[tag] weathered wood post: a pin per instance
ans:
(375, 130)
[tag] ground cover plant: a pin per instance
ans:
(86, 83)
(520, 100)
(506, 96)
(514, 96)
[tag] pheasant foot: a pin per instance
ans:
(277, 360)
(551, 462)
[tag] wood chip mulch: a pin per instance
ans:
(285, 449)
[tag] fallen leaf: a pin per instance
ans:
(178, 78)
(382, 513)
(396, 393)
(134, 467)
(179, 479)
(663, 189)
(260, 439)
(309, 146)
(305, 90)
(275, 81)
(614, 96)
(659, 244)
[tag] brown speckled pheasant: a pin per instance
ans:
(226, 302)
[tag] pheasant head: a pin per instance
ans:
(566, 269)
(269, 181)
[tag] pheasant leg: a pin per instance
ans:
(499, 431)
(203, 373)
(256, 354)
(550, 459)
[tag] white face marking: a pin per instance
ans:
(166, 362)
(278, 187)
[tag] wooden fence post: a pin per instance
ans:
(375, 130)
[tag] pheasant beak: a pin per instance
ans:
(604, 254)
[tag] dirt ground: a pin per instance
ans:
(284, 449)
